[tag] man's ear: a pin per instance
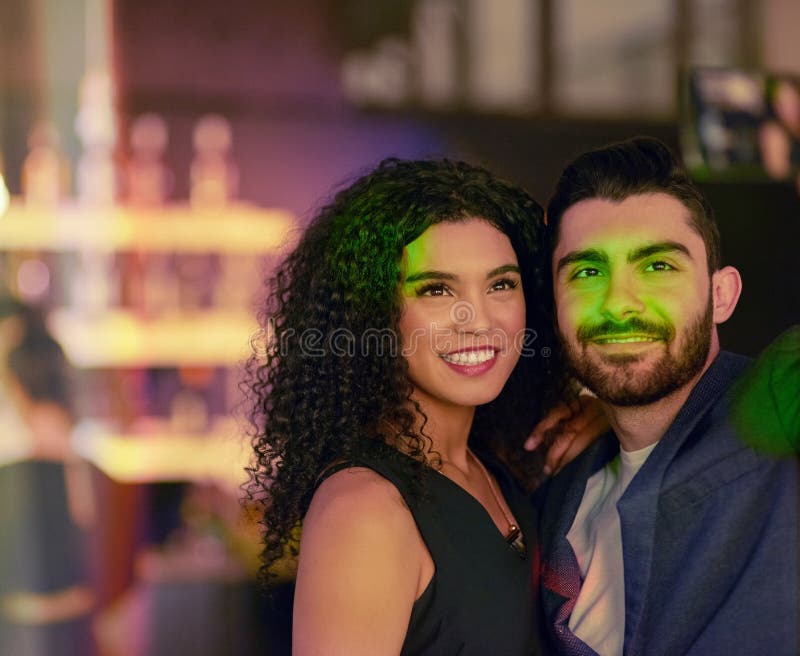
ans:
(726, 286)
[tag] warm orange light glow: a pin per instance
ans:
(5, 198)
(122, 339)
(219, 456)
(236, 228)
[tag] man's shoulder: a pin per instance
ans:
(738, 383)
(713, 445)
(707, 408)
(727, 368)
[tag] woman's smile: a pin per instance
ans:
(471, 361)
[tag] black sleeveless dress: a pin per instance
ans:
(481, 599)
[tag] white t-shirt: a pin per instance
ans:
(599, 614)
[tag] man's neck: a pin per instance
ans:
(637, 427)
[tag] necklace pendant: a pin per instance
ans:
(516, 541)
(513, 533)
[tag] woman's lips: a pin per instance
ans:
(471, 362)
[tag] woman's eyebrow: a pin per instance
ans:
(433, 274)
(506, 268)
(430, 274)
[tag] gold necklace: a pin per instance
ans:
(514, 537)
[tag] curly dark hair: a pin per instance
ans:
(313, 401)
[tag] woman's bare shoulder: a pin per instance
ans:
(358, 493)
(359, 567)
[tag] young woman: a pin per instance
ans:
(410, 346)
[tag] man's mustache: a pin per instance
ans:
(633, 326)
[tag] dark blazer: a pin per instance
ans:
(709, 538)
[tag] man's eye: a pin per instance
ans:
(588, 272)
(504, 284)
(659, 266)
(433, 289)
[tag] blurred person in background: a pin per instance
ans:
(406, 362)
(46, 597)
(17, 321)
(779, 136)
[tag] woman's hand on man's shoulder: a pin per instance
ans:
(567, 430)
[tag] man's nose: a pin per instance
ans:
(622, 298)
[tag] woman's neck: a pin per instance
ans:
(448, 426)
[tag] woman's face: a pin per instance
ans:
(463, 317)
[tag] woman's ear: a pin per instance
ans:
(726, 286)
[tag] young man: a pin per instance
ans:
(671, 535)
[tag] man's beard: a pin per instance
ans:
(615, 379)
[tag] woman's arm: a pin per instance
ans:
(362, 564)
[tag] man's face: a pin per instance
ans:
(633, 297)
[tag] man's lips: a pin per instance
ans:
(625, 339)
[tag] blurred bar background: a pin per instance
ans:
(158, 158)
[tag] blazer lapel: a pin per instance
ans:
(561, 577)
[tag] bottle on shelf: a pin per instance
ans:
(151, 283)
(214, 176)
(214, 181)
(96, 127)
(45, 173)
(148, 181)
(95, 280)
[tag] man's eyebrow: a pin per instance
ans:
(599, 257)
(656, 249)
(586, 255)
(431, 274)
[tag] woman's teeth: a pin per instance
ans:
(470, 357)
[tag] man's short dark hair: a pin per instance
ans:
(642, 165)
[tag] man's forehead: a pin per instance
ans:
(629, 223)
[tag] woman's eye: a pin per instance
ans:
(588, 272)
(659, 266)
(433, 289)
(504, 284)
